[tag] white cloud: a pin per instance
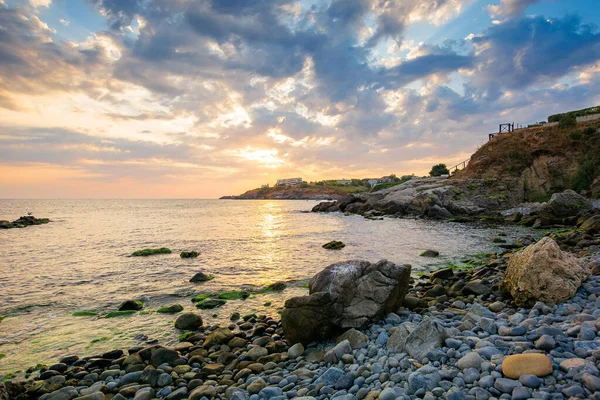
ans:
(65, 22)
(40, 3)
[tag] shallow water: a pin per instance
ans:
(80, 261)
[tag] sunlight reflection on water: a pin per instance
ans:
(80, 262)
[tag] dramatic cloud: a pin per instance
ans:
(241, 92)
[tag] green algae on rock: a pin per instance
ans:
(134, 305)
(114, 314)
(151, 252)
(334, 245)
(84, 313)
(189, 254)
(209, 304)
(172, 309)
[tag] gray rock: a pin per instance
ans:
(296, 350)
(331, 376)
(545, 342)
(334, 355)
(470, 360)
(427, 336)
(424, 378)
(349, 294)
(398, 336)
(356, 338)
(506, 385)
(65, 393)
(521, 393)
(591, 382)
(530, 381)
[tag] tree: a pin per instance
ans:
(439, 169)
(567, 121)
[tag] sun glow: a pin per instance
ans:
(267, 158)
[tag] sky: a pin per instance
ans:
(204, 98)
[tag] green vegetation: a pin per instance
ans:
(248, 317)
(567, 121)
(589, 131)
(499, 196)
(189, 254)
(114, 314)
(8, 376)
(397, 181)
(209, 304)
(185, 336)
(172, 309)
(305, 285)
(241, 295)
(575, 135)
(438, 170)
(201, 297)
(268, 304)
(585, 175)
(334, 245)
(101, 339)
(1, 318)
(84, 313)
(576, 113)
(2, 356)
(147, 312)
(151, 252)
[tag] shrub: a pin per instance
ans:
(189, 254)
(575, 135)
(567, 121)
(585, 175)
(589, 131)
(439, 169)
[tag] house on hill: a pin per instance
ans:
(289, 182)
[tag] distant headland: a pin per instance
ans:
(298, 189)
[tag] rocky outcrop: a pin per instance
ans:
(436, 198)
(23, 222)
(543, 272)
(417, 341)
(345, 295)
(568, 204)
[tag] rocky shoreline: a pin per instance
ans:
(458, 334)
(23, 222)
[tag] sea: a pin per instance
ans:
(81, 261)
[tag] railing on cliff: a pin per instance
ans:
(459, 166)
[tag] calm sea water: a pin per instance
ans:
(80, 262)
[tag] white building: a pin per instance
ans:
(289, 181)
(265, 186)
(344, 182)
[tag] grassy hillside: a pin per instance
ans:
(544, 159)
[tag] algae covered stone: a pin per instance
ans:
(189, 254)
(172, 309)
(134, 305)
(526, 364)
(334, 245)
(201, 277)
(151, 252)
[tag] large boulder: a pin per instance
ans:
(568, 204)
(543, 272)
(345, 295)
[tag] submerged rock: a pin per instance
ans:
(201, 277)
(543, 272)
(345, 295)
(128, 305)
(188, 321)
(334, 245)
